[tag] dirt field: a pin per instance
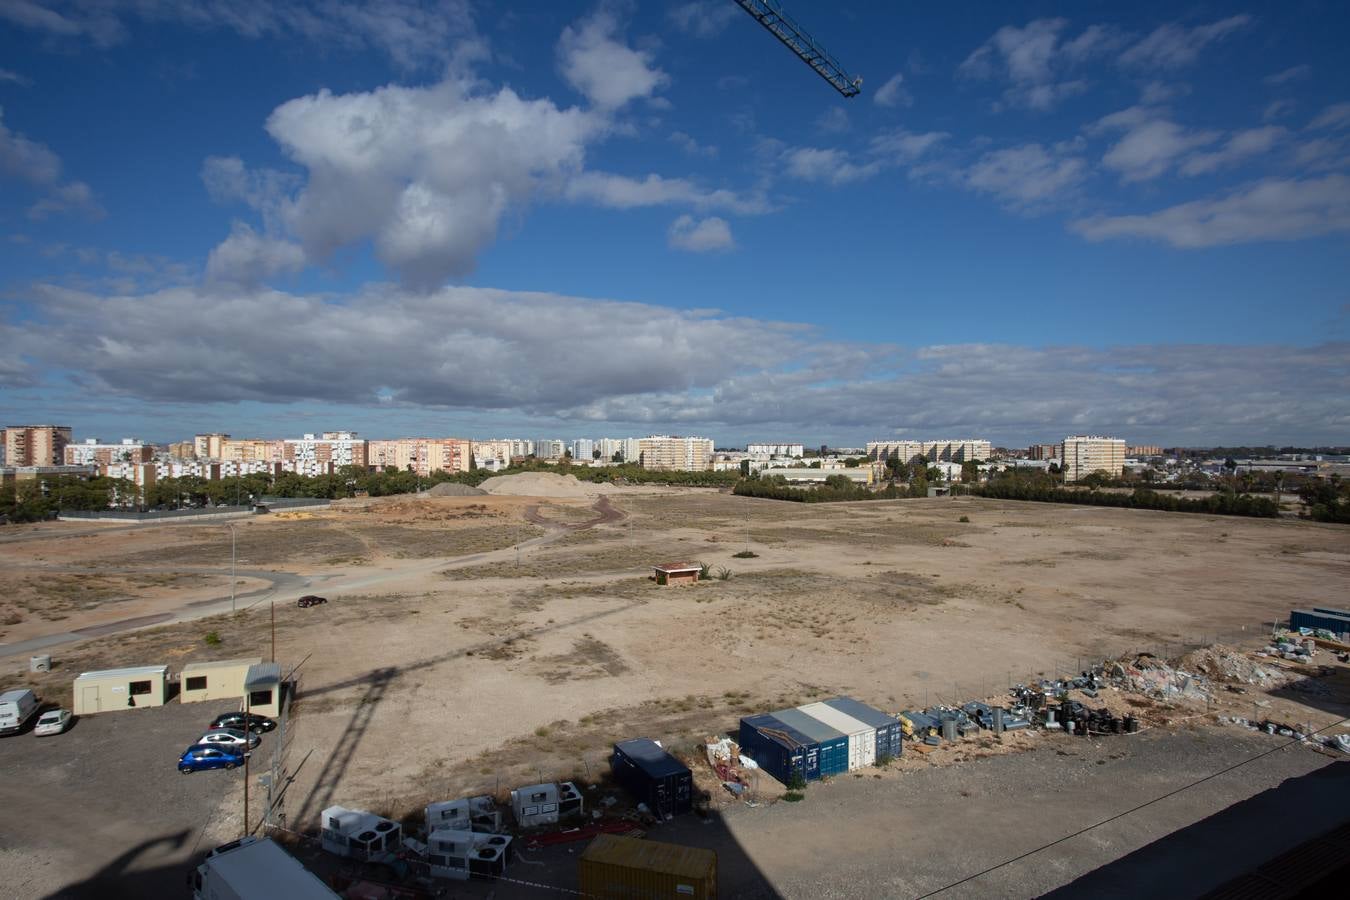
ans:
(449, 661)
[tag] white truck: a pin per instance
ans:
(16, 708)
(255, 869)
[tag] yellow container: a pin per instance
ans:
(634, 869)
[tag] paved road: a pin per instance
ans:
(286, 587)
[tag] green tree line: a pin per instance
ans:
(1223, 504)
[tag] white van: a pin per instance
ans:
(16, 708)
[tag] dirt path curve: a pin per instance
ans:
(287, 586)
(608, 514)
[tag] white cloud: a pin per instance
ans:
(622, 192)
(700, 235)
(1239, 148)
(425, 172)
(8, 76)
(1173, 46)
(413, 33)
(639, 363)
(1337, 115)
(1273, 209)
(1150, 145)
(703, 18)
(606, 71)
(1035, 61)
(1293, 73)
(893, 92)
(1278, 109)
(903, 147)
(1025, 177)
(692, 147)
(35, 163)
(828, 165)
(249, 258)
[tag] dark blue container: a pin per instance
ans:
(1343, 613)
(890, 736)
(833, 744)
(1303, 618)
(653, 776)
(780, 749)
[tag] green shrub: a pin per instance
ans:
(745, 554)
(964, 519)
(212, 638)
(794, 797)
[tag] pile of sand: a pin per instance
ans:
(454, 489)
(540, 484)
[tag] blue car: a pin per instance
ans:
(209, 756)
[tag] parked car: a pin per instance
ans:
(230, 737)
(53, 721)
(310, 600)
(209, 756)
(243, 722)
(16, 708)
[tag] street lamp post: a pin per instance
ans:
(230, 525)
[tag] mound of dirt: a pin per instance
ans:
(454, 489)
(540, 484)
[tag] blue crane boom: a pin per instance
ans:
(770, 14)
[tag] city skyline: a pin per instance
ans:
(1129, 220)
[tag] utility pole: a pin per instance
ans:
(230, 525)
(274, 630)
(247, 753)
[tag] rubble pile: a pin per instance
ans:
(1230, 665)
(1153, 677)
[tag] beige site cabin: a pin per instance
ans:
(263, 684)
(219, 680)
(114, 689)
(677, 573)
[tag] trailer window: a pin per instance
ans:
(196, 683)
(139, 688)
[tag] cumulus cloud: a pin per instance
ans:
(702, 18)
(427, 173)
(249, 258)
(1027, 177)
(1272, 209)
(413, 33)
(638, 363)
(700, 235)
(691, 146)
(1037, 62)
(33, 162)
(1151, 143)
(1172, 46)
(893, 92)
(836, 166)
(833, 121)
(8, 76)
(1242, 146)
(608, 72)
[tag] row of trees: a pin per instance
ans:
(1223, 504)
(1327, 501)
(836, 488)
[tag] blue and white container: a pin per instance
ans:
(832, 742)
(780, 749)
(862, 738)
(890, 735)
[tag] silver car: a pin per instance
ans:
(230, 737)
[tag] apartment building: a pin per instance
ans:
(36, 445)
(252, 450)
(795, 450)
(209, 446)
(933, 451)
(583, 449)
(324, 454)
(142, 473)
(1043, 451)
(629, 449)
(90, 452)
(422, 456)
(667, 453)
(547, 448)
(182, 449)
(1082, 455)
(1139, 450)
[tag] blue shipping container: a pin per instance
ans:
(1345, 614)
(780, 749)
(833, 743)
(889, 733)
(1302, 618)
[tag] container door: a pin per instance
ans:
(869, 747)
(663, 796)
(89, 699)
(683, 792)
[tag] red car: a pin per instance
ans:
(310, 600)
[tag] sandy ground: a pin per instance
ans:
(449, 661)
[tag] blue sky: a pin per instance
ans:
(617, 218)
